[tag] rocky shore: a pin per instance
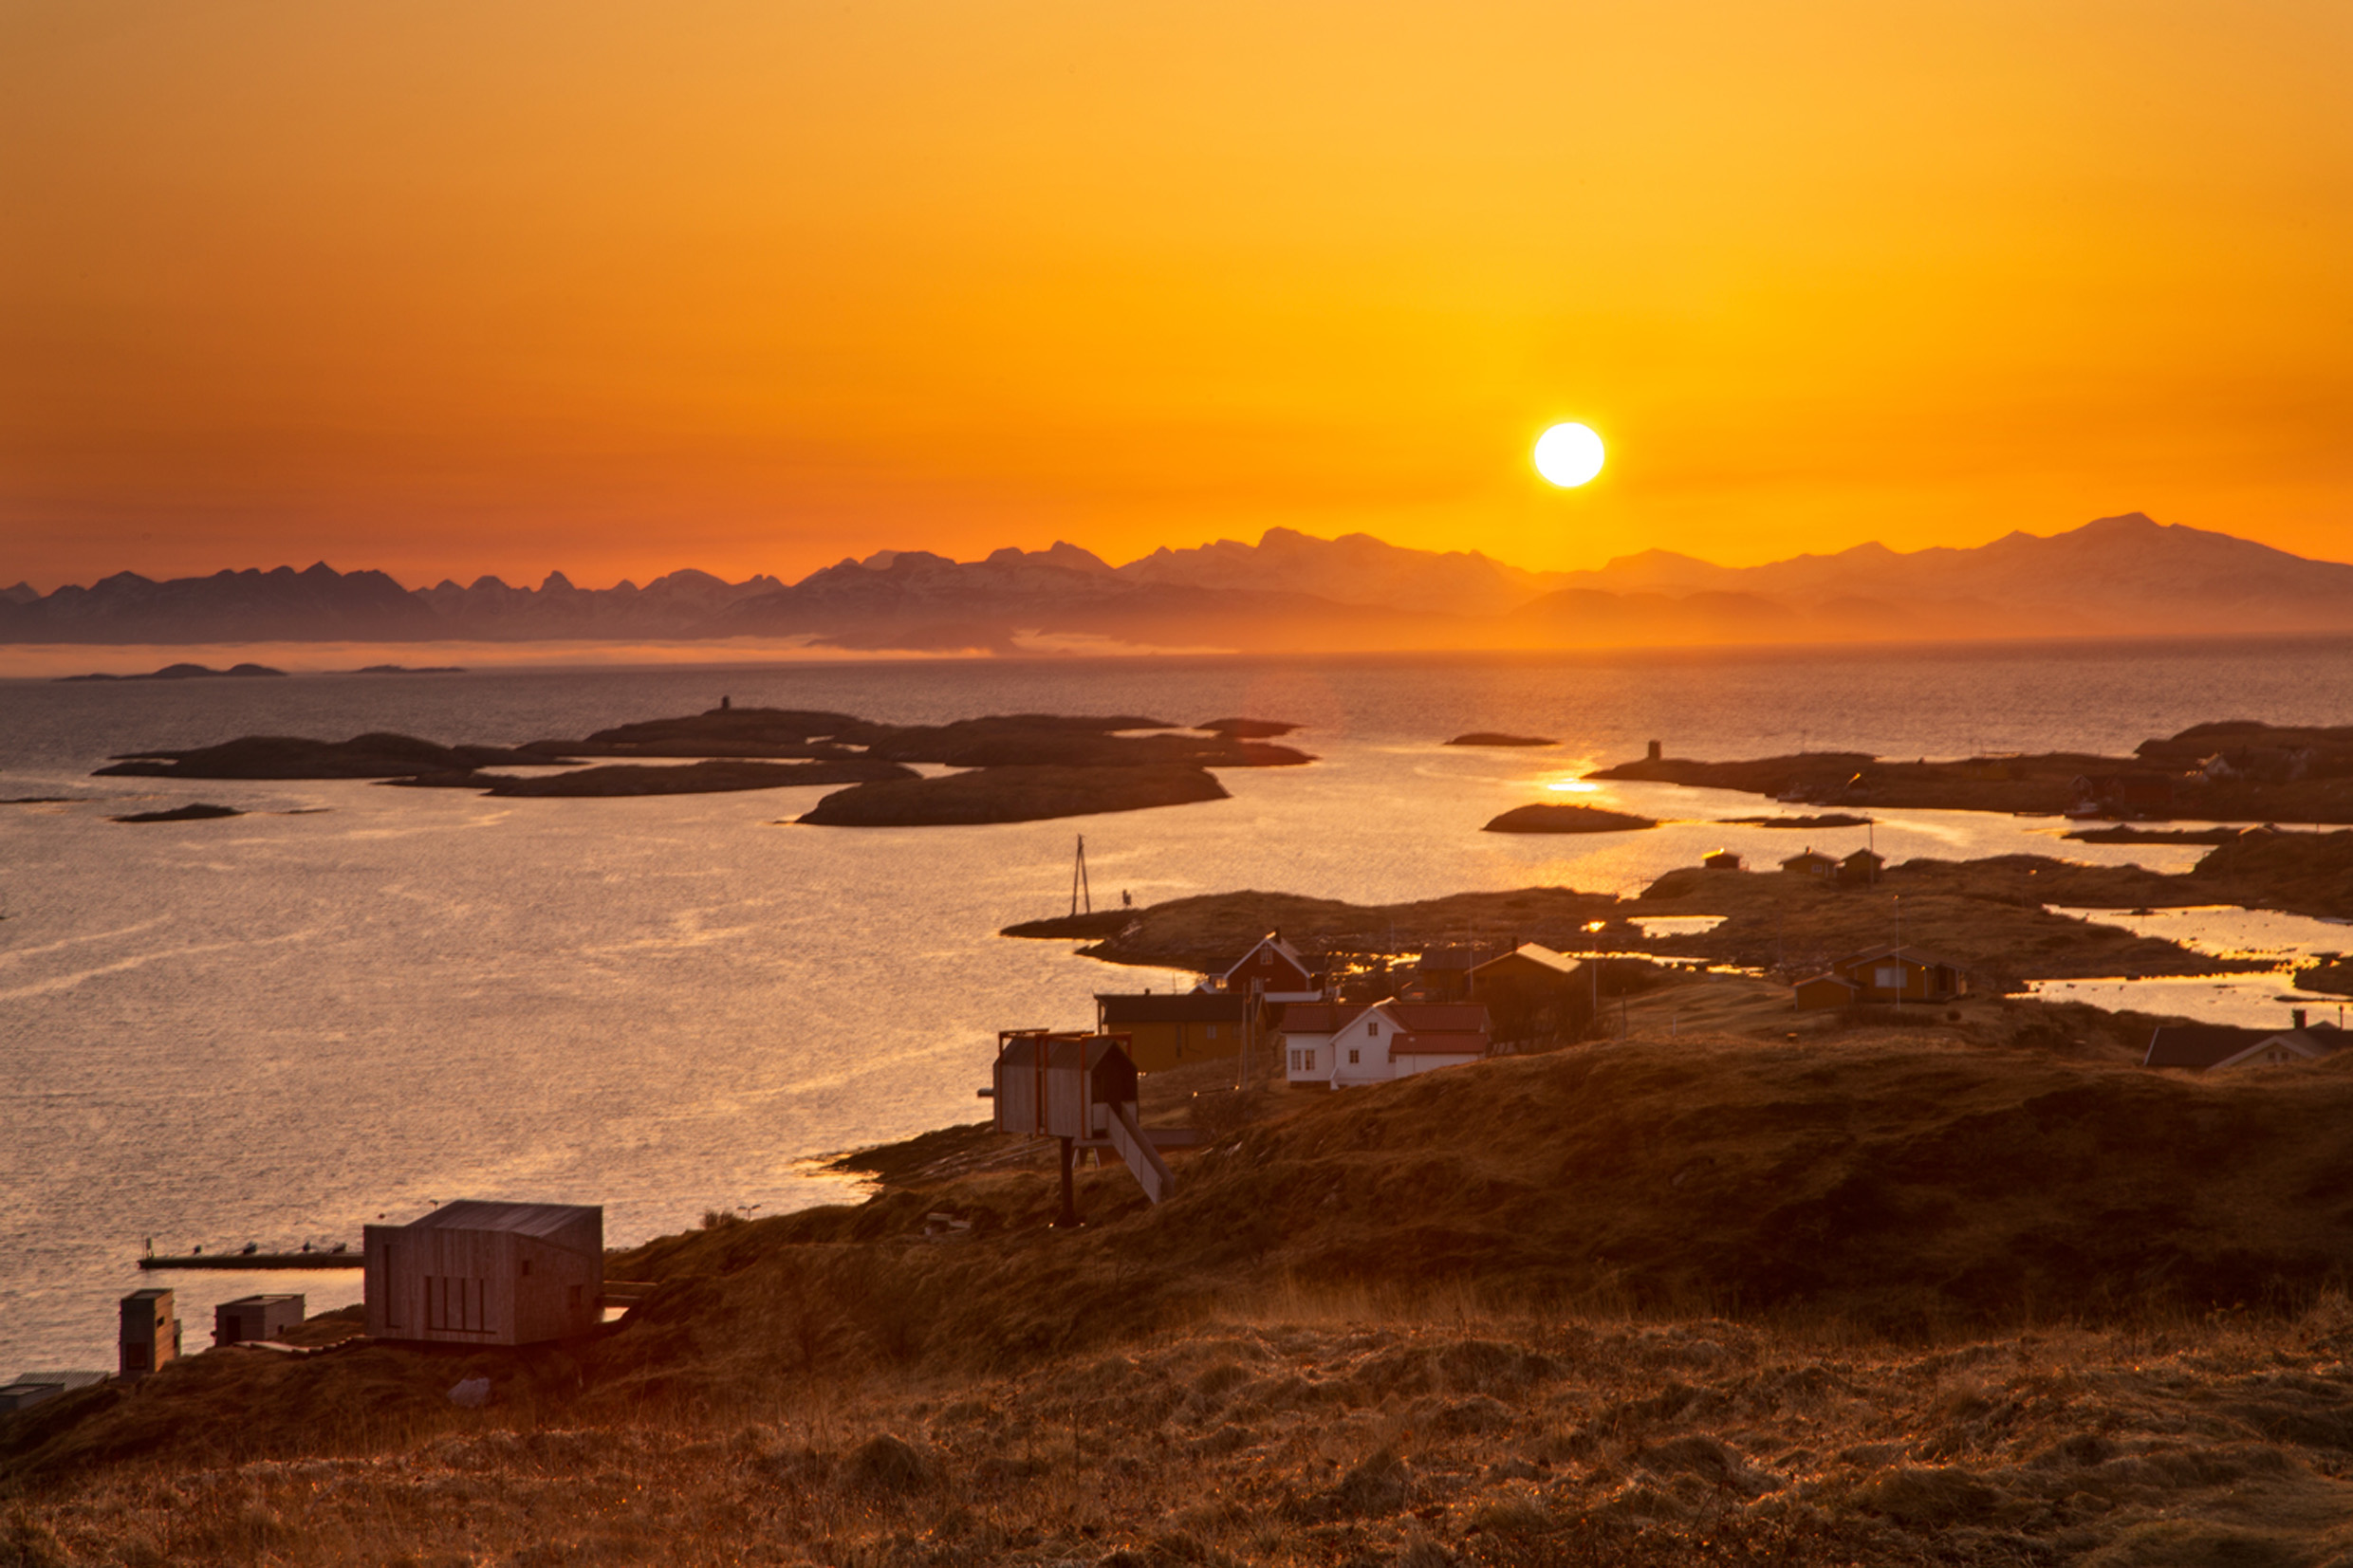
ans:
(2215, 772)
(1988, 914)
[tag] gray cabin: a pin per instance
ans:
(476, 1273)
(254, 1317)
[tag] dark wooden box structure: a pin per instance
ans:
(150, 1331)
(254, 1317)
(1079, 1088)
(480, 1273)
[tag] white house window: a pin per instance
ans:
(1372, 1025)
(1294, 1061)
(1311, 1061)
(1354, 1057)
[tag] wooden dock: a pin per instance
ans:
(252, 1260)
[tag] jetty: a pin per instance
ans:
(314, 1259)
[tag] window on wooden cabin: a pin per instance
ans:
(1212, 1031)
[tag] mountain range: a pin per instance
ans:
(2118, 576)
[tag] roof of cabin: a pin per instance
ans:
(1439, 1042)
(1274, 940)
(528, 1219)
(1439, 1016)
(2206, 1045)
(1174, 1007)
(1534, 952)
(1317, 1018)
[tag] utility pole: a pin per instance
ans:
(1078, 880)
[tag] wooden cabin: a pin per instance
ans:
(1534, 993)
(476, 1273)
(1723, 859)
(1884, 975)
(1860, 869)
(150, 1331)
(1167, 1028)
(254, 1317)
(1810, 862)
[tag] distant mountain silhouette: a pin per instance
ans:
(2119, 575)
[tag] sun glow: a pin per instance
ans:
(1573, 786)
(1569, 455)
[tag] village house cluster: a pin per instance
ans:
(1455, 1005)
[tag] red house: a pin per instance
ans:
(1277, 970)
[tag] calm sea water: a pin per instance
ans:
(360, 1000)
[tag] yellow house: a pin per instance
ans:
(1168, 1028)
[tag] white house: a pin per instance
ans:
(1307, 1028)
(1392, 1040)
(1280, 973)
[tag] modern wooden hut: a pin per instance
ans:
(480, 1273)
(150, 1331)
(251, 1318)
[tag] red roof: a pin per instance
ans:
(1433, 1043)
(1315, 1018)
(1437, 1017)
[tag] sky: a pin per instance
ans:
(451, 288)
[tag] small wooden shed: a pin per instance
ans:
(251, 1318)
(480, 1273)
(1079, 1088)
(150, 1331)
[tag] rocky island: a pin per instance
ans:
(1990, 916)
(196, 812)
(1015, 794)
(189, 672)
(2235, 771)
(1496, 737)
(1567, 819)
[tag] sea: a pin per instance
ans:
(356, 1001)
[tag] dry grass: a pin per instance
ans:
(1326, 1429)
(1882, 1296)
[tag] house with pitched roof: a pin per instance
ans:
(1883, 975)
(2213, 1047)
(1276, 968)
(1165, 1029)
(1307, 1029)
(1810, 861)
(1393, 1039)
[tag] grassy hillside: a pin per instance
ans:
(1878, 1295)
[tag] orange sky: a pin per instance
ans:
(463, 288)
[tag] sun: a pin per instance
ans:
(1568, 455)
